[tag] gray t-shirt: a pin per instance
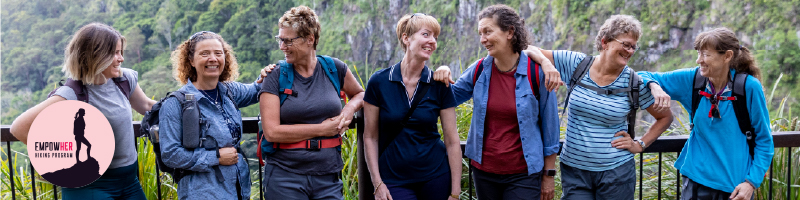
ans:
(116, 107)
(316, 101)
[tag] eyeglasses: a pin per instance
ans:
(199, 34)
(415, 14)
(287, 42)
(627, 46)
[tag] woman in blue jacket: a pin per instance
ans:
(513, 137)
(716, 160)
(217, 170)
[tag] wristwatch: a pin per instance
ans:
(550, 172)
(642, 143)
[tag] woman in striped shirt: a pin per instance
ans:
(597, 157)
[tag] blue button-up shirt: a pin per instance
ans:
(538, 122)
(203, 183)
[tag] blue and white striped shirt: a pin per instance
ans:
(593, 119)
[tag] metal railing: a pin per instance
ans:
(664, 144)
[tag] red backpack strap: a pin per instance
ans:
(478, 71)
(534, 85)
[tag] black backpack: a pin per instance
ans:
(632, 90)
(149, 127)
(739, 105)
(80, 89)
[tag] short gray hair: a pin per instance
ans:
(617, 25)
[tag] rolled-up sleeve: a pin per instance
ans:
(172, 152)
(548, 113)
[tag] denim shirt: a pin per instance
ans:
(203, 183)
(539, 138)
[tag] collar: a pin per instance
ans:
(728, 86)
(191, 89)
(396, 75)
(522, 67)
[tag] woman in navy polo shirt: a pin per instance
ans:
(409, 160)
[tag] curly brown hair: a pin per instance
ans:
(181, 59)
(508, 19)
(303, 20)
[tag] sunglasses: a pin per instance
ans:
(194, 36)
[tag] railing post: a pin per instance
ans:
(641, 168)
(55, 192)
(158, 181)
(771, 162)
(789, 173)
(11, 170)
(33, 181)
(659, 175)
(364, 179)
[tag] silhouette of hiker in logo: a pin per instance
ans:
(82, 173)
(79, 127)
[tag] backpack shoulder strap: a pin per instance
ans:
(330, 70)
(698, 85)
(229, 94)
(478, 71)
(741, 110)
(78, 88)
(579, 72)
(634, 97)
(123, 85)
(285, 81)
(533, 73)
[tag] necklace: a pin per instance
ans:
(209, 96)
(512, 68)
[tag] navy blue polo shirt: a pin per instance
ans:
(417, 154)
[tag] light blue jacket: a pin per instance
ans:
(538, 140)
(716, 154)
(203, 184)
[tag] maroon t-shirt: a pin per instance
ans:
(502, 147)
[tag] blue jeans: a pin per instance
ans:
(117, 183)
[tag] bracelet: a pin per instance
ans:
(376, 188)
(455, 196)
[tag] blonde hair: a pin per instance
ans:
(181, 59)
(303, 20)
(617, 25)
(723, 39)
(411, 23)
(90, 51)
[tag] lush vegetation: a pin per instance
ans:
(361, 32)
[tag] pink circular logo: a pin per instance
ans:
(70, 143)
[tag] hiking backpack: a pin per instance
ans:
(285, 81)
(632, 90)
(82, 94)
(534, 84)
(739, 105)
(149, 127)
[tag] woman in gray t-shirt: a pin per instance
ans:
(98, 48)
(306, 124)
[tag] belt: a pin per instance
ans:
(311, 144)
